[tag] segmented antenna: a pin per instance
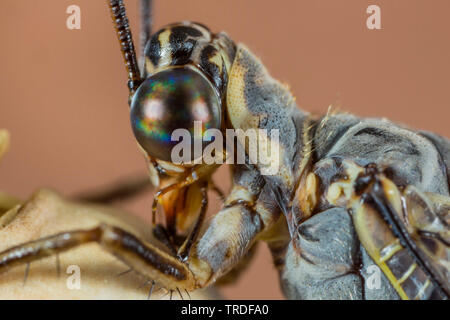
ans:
(146, 24)
(121, 24)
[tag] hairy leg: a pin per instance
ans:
(222, 244)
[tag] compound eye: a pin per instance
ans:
(169, 100)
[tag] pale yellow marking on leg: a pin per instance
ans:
(359, 222)
(390, 250)
(406, 275)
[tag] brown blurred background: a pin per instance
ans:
(64, 96)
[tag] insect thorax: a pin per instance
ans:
(191, 44)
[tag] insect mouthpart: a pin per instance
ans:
(172, 99)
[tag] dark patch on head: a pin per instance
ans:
(153, 48)
(181, 47)
(211, 69)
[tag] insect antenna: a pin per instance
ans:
(122, 27)
(187, 292)
(146, 8)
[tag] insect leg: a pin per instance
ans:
(219, 247)
(225, 242)
(161, 233)
(246, 217)
(121, 24)
(142, 257)
(194, 176)
(185, 249)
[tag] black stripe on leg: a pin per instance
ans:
(128, 242)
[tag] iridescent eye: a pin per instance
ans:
(169, 100)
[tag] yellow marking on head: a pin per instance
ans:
(166, 50)
(217, 60)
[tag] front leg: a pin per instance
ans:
(141, 257)
(222, 244)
